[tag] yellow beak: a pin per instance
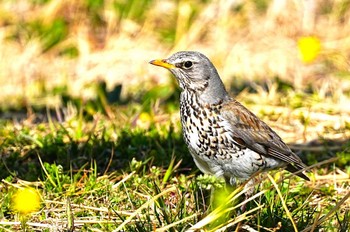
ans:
(162, 63)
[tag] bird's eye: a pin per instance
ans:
(187, 64)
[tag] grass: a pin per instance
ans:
(86, 122)
(144, 179)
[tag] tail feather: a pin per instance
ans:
(293, 169)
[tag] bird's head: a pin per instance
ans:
(195, 72)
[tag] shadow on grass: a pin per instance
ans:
(21, 149)
(54, 143)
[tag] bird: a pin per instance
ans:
(224, 138)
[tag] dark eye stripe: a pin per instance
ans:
(178, 65)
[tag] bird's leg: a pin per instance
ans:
(248, 192)
(212, 196)
(230, 180)
(248, 189)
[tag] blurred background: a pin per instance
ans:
(271, 53)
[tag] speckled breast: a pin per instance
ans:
(204, 130)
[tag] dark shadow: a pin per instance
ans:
(19, 154)
(320, 149)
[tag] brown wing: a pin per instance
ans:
(253, 133)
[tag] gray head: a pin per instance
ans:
(195, 72)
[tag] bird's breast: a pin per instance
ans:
(205, 131)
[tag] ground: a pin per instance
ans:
(90, 137)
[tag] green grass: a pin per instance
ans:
(88, 123)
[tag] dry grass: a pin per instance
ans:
(248, 43)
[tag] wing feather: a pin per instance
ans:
(253, 133)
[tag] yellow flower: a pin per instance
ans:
(309, 48)
(25, 201)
